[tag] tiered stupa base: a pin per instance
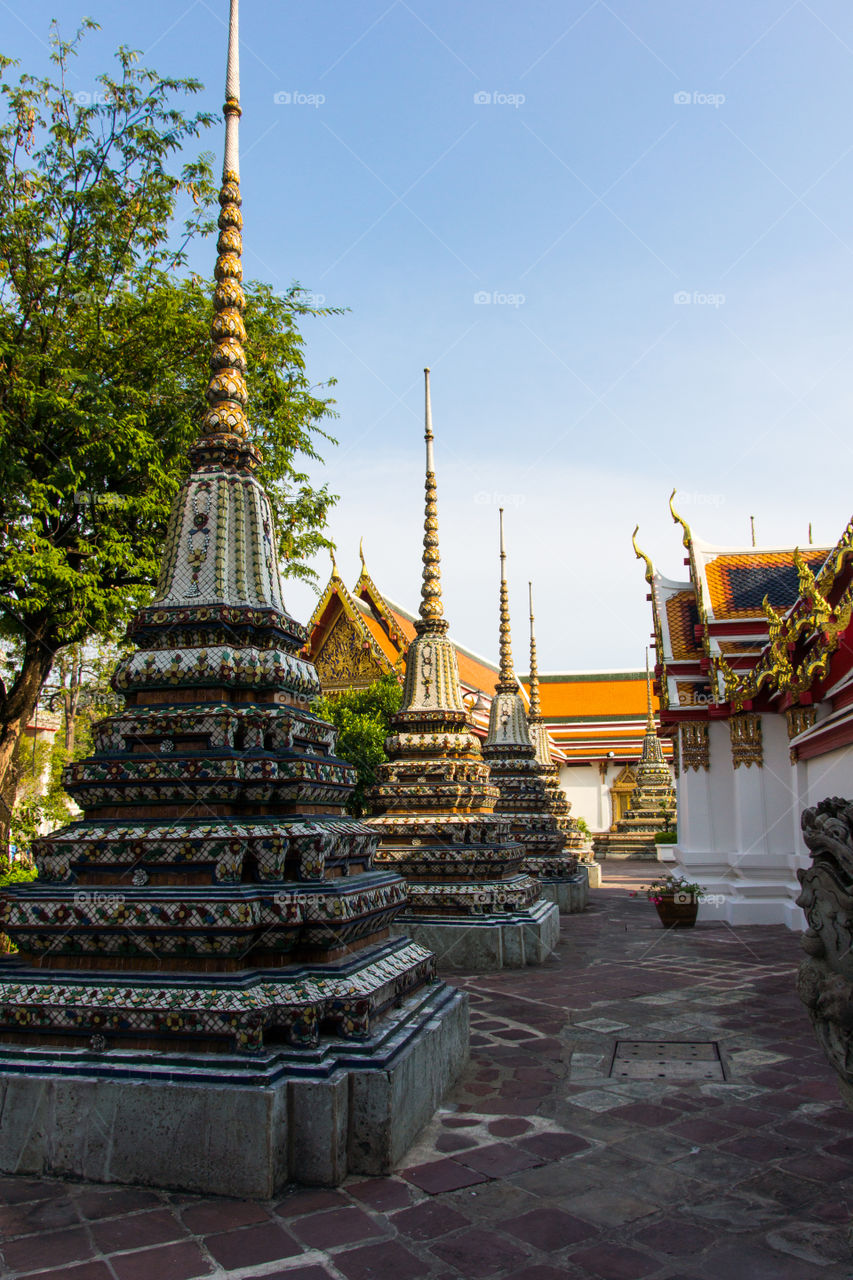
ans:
(563, 878)
(235, 1124)
(630, 843)
(460, 906)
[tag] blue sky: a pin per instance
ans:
(656, 200)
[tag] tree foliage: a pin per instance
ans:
(363, 720)
(103, 346)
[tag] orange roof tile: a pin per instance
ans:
(682, 616)
(739, 581)
(590, 694)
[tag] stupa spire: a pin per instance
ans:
(651, 727)
(507, 682)
(535, 712)
(227, 394)
(431, 610)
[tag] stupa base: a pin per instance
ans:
(593, 873)
(482, 944)
(570, 893)
(626, 844)
(239, 1124)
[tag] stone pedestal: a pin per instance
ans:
(469, 944)
(571, 893)
(593, 873)
(234, 1125)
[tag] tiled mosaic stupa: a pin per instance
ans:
(538, 821)
(652, 805)
(206, 993)
(558, 803)
(470, 899)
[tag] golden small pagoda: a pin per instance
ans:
(652, 804)
(469, 897)
(529, 796)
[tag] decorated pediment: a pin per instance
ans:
(346, 658)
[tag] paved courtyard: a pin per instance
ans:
(558, 1155)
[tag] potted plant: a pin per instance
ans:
(676, 900)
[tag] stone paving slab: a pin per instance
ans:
(540, 1166)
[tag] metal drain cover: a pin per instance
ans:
(667, 1060)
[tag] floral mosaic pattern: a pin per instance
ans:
(236, 1017)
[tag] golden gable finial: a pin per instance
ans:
(641, 555)
(687, 537)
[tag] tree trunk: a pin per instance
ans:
(71, 700)
(16, 711)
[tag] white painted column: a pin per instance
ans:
(706, 823)
(764, 858)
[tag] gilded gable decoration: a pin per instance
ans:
(798, 719)
(747, 745)
(695, 748)
(346, 658)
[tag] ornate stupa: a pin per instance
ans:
(539, 822)
(206, 993)
(470, 899)
(652, 805)
(558, 802)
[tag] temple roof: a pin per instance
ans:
(735, 581)
(712, 630)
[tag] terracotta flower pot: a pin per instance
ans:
(677, 915)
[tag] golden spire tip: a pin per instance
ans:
(535, 711)
(227, 395)
(506, 679)
(431, 610)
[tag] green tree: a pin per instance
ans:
(103, 340)
(363, 720)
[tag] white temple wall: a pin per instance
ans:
(828, 775)
(588, 794)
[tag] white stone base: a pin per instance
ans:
(571, 894)
(486, 943)
(744, 889)
(234, 1126)
(593, 874)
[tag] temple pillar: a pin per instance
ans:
(735, 821)
(705, 810)
(764, 859)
